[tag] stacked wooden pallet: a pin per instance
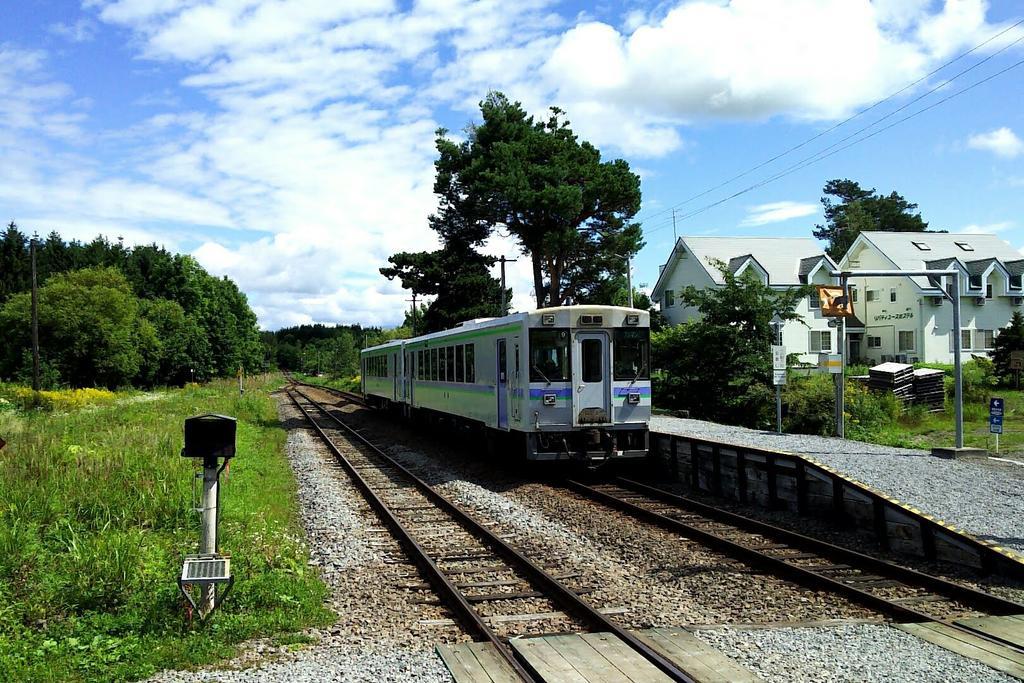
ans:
(896, 378)
(929, 389)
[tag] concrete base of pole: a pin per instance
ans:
(953, 453)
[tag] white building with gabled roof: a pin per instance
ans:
(780, 262)
(907, 319)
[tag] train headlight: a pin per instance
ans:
(632, 319)
(633, 398)
(549, 399)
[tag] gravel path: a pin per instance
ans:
(378, 636)
(985, 499)
(858, 653)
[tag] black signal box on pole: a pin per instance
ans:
(210, 437)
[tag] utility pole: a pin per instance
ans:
(35, 320)
(674, 236)
(504, 292)
(414, 311)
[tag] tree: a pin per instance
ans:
(569, 210)
(182, 346)
(15, 273)
(727, 349)
(855, 210)
(88, 327)
(1010, 339)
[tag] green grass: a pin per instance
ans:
(342, 383)
(925, 430)
(95, 516)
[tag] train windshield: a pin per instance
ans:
(631, 353)
(549, 355)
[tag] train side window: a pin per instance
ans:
(460, 364)
(451, 364)
(419, 364)
(434, 364)
(591, 360)
(470, 363)
(442, 370)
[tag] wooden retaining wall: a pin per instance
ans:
(779, 480)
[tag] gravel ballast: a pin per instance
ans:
(983, 499)
(858, 653)
(378, 635)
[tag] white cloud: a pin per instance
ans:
(1002, 142)
(777, 212)
(987, 228)
(81, 31)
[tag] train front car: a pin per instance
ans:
(589, 392)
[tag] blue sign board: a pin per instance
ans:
(995, 424)
(995, 407)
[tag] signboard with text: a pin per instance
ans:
(995, 415)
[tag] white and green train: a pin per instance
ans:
(567, 383)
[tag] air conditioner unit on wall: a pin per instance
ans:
(1018, 301)
(935, 300)
(979, 301)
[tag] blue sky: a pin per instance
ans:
(288, 143)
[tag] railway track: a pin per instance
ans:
(479, 576)
(898, 592)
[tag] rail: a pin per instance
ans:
(551, 586)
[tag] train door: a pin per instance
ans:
(394, 377)
(517, 382)
(502, 375)
(591, 386)
(407, 378)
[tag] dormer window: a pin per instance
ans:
(975, 281)
(922, 246)
(1015, 281)
(964, 245)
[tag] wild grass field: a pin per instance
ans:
(96, 514)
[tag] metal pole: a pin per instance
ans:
(958, 378)
(35, 321)
(841, 381)
(841, 396)
(629, 279)
(208, 540)
(504, 304)
(778, 408)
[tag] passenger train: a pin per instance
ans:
(566, 383)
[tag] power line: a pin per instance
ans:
(815, 158)
(856, 115)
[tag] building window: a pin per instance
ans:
(892, 295)
(670, 298)
(853, 294)
(964, 246)
(874, 342)
(813, 301)
(872, 295)
(922, 246)
(988, 291)
(965, 340)
(1015, 281)
(984, 339)
(974, 281)
(821, 341)
(906, 340)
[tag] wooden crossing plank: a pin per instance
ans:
(996, 656)
(463, 664)
(547, 661)
(1010, 628)
(496, 667)
(630, 662)
(700, 660)
(590, 663)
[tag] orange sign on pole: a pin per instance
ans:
(835, 302)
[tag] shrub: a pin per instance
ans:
(63, 400)
(810, 407)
